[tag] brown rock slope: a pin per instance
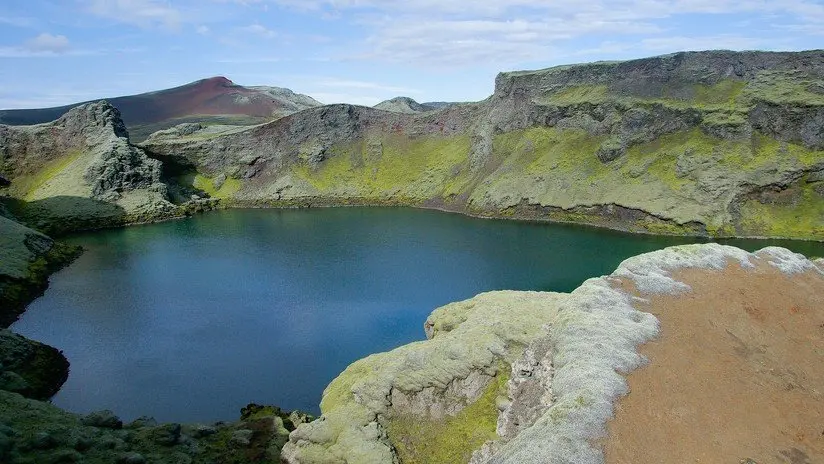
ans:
(736, 374)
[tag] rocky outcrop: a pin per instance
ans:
(35, 431)
(27, 258)
(563, 355)
(690, 141)
(94, 132)
(81, 172)
(30, 368)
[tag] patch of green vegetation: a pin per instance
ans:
(27, 185)
(724, 118)
(724, 93)
(339, 391)
(578, 94)
(538, 150)
(452, 439)
(207, 185)
(785, 88)
(657, 159)
(16, 290)
(797, 212)
(402, 167)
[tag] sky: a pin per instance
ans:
(56, 52)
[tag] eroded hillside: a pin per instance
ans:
(707, 143)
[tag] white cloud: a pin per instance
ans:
(260, 31)
(143, 13)
(450, 33)
(48, 43)
(17, 21)
(203, 30)
(717, 42)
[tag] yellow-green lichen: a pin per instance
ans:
(579, 94)
(419, 440)
(722, 94)
(399, 167)
(784, 87)
(207, 184)
(26, 186)
(339, 391)
(797, 212)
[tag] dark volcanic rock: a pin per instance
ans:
(31, 368)
(104, 419)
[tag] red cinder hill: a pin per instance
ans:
(213, 100)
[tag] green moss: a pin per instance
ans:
(723, 94)
(16, 293)
(544, 149)
(25, 186)
(797, 212)
(453, 439)
(725, 118)
(785, 88)
(339, 391)
(207, 185)
(579, 94)
(401, 167)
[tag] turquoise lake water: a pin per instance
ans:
(191, 320)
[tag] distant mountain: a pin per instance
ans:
(410, 106)
(214, 100)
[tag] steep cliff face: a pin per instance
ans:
(79, 171)
(707, 143)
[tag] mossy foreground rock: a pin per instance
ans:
(510, 377)
(703, 143)
(35, 432)
(30, 368)
(27, 257)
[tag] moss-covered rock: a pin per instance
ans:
(34, 432)
(680, 139)
(27, 258)
(30, 368)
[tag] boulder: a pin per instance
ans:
(104, 419)
(30, 368)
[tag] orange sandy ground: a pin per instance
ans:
(737, 373)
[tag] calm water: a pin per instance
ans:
(190, 320)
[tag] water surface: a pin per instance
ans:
(190, 320)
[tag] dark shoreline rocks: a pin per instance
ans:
(30, 368)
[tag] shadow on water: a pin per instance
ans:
(190, 320)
